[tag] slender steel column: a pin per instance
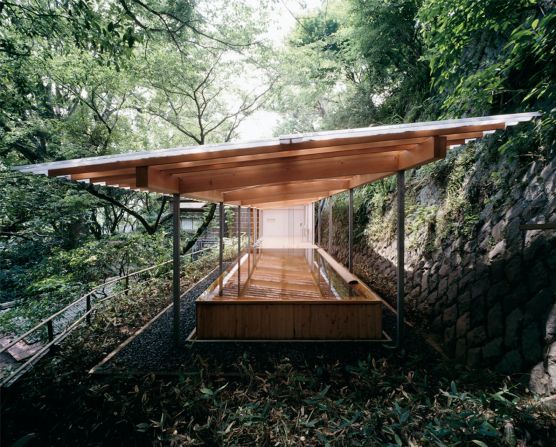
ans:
(221, 248)
(330, 226)
(401, 258)
(176, 265)
(350, 231)
(248, 242)
(319, 224)
(238, 249)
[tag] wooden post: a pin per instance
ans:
(330, 226)
(221, 248)
(350, 232)
(401, 258)
(176, 267)
(238, 249)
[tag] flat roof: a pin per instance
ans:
(277, 172)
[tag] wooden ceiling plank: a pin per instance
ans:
(265, 191)
(207, 196)
(285, 203)
(320, 152)
(209, 169)
(359, 180)
(310, 196)
(298, 170)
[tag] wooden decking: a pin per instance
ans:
(279, 275)
(285, 297)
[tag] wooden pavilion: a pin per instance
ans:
(298, 291)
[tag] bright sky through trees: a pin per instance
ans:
(262, 123)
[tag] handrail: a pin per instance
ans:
(88, 294)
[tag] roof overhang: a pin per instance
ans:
(292, 169)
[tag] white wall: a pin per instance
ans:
(287, 227)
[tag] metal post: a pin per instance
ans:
(238, 249)
(350, 231)
(221, 248)
(330, 226)
(176, 265)
(50, 329)
(401, 258)
(88, 308)
(319, 223)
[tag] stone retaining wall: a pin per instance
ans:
(489, 298)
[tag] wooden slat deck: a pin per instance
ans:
(282, 300)
(276, 276)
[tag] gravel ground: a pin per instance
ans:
(154, 351)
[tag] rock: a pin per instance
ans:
(464, 301)
(460, 349)
(444, 269)
(511, 362)
(495, 321)
(477, 311)
(442, 286)
(513, 324)
(541, 303)
(479, 287)
(512, 231)
(539, 380)
(531, 344)
(497, 230)
(466, 280)
(493, 349)
(450, 314)
(498, 292)
(517, 296)
(512, 269)
(537, 277)
(436, 325)
(515, 210)
(454, 277)
(474, 357)
(452, 293)
(551, 260)
(425, 281)
(476, 336)
(498, 251)
(449, 336)
(534, 244)
(551, 367)
(550, 334)
(462, 325)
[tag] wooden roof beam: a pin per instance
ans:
(431, 150)
(154, 180)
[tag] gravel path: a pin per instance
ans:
(154, 351)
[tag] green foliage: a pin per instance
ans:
(489, 56)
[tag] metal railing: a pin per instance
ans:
(90, 307)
